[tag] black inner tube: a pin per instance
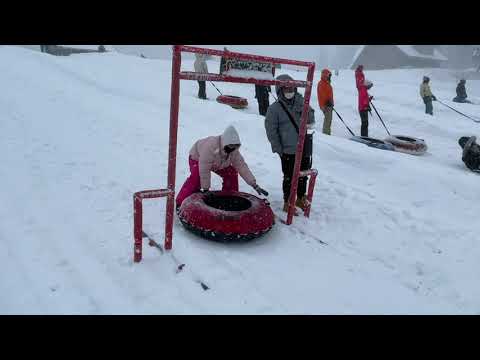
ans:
(403, 138)
(228, 202)
(373, 140)
(232, 97)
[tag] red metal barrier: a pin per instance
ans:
(178, 75)
(311, 186)
(138, 217)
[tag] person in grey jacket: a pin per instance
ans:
(201, 67)
(283, 137)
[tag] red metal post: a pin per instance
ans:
(311, 186)
(137, 228)
(301, 140)
(172, 147)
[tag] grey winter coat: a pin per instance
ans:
(281, 133)
(200, 64)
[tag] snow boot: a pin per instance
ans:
(285, 209)
(302, 203)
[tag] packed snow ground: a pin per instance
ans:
(81, 134)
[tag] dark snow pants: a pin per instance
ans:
(364, 118)
(263, 104)
(461, 100)
(202, 93)
(428, 105)
(288, 164)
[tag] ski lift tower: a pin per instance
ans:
(178, 75)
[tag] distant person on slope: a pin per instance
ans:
(221, 155)
(363, 85)
(283, 137)
(471, 152)
(262, 95)
(223, 62)
(427, 95)
(476, 58)
(201, 68)
(461, 93)
(325, 100)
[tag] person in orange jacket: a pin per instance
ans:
(325, 99)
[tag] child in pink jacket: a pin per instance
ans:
(221, 155)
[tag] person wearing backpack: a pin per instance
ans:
(282, 124)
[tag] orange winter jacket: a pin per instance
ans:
(324, 90)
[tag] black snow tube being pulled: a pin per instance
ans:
(226, 216)
(408, 145)
(375, 143)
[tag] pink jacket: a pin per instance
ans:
(211, 157)
(363, 97)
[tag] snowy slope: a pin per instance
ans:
(81, 134)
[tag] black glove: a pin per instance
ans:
(329, 104)
(260, 191)
(370, 98)
(369, 109)
(434, 98)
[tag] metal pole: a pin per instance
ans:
(374, 108)
(351, 132)
(216, 88)
(301, 140)
(468, 117)
(172, 147)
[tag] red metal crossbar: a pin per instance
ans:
(188, 75)
(177, 75)
(242, 56)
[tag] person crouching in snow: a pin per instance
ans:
(427, 95)
(471, 152)
(221, 155)
(283, 137)
(363, 85)
(325, 100)
(461, 93)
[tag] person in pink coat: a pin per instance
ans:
(363, 86)
(221, 155)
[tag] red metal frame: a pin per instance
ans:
(178, 75)
(311, 186)
(138, 217)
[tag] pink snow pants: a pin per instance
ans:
(192, 184)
